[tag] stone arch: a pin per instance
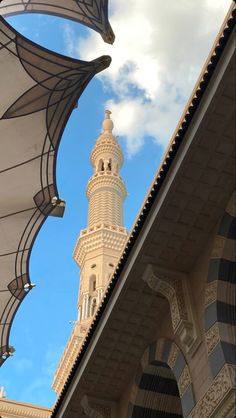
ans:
(162, 386)
(220, 294)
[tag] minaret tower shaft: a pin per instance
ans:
(100, 245)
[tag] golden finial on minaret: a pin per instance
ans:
(108, 113)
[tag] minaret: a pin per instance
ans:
(100, 245)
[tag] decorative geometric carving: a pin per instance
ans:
(184, 381)
(210, 293)
(232, 374)
(107, 146)
(106, 179)
(100, 238)
(173, 355)
(212, 337)
(105, 411)
(95, 409)
(215, 395)
(218, 247)
(176, 292)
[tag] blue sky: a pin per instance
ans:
(159, 50)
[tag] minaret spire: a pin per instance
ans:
(106, 190)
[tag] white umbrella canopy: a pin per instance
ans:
(92, 13)
(38, 91)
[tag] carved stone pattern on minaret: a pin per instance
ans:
(99, 239)
(176, 292)
(106, 207)
(106, 179)
(107, 147)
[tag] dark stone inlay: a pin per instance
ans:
(210, 315)
(158, 384)
(140, 412)
(226, 313)
(213, 271)
(138, 375)
(228, 226)
(166, 350)
(227, 271)
(179, 366)
(216, 360)
(229, 351)
(130, 411)
(188, 401)
(221, 269)
(159, 363)
(221, 312)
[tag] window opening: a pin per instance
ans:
(94, 305)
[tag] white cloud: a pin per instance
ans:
(158, 53)
(68, 38)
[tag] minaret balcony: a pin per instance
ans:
(102, 237)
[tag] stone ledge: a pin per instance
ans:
(15, 409)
